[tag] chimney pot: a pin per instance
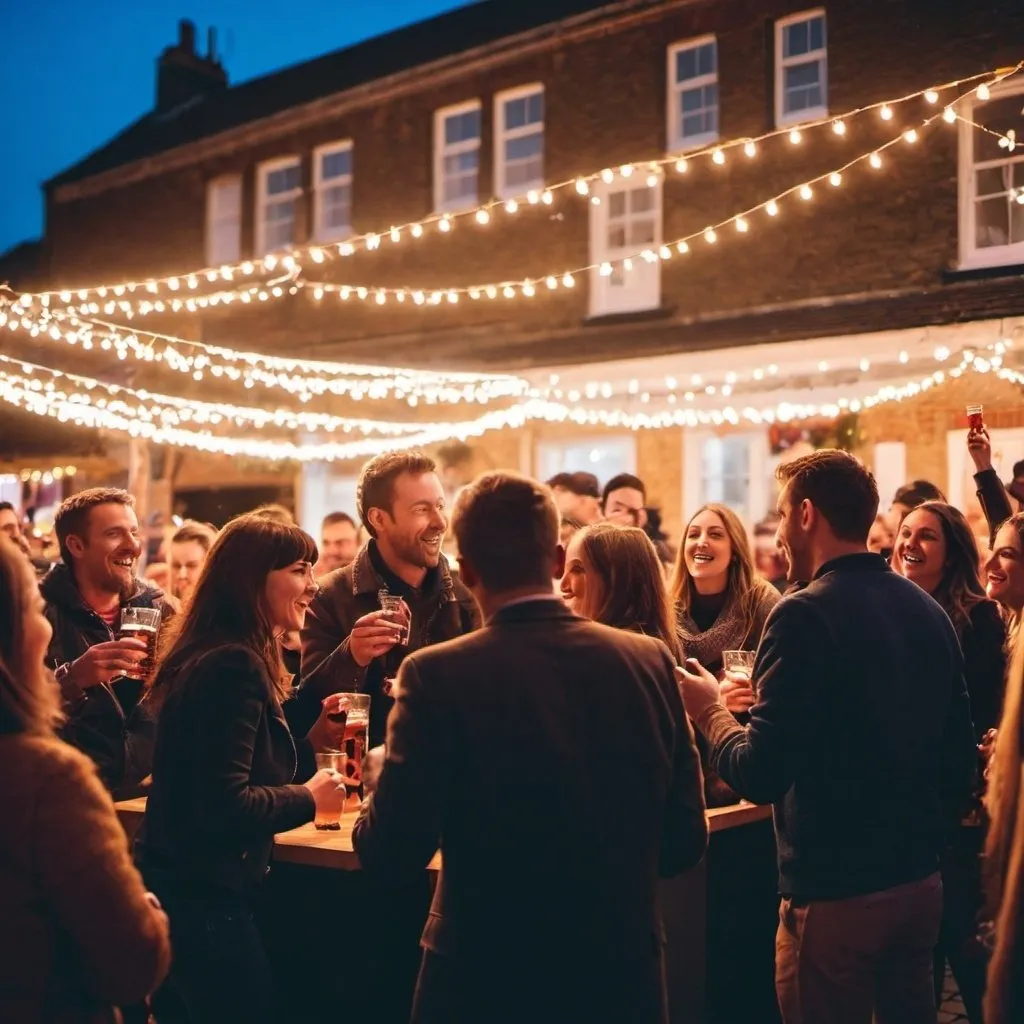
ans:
(187, 36)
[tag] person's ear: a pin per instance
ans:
(808, 515)
(75, 545)
(468, 574)
(375, 517)
(558, 566)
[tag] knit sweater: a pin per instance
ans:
(77, 934)
(861, 736)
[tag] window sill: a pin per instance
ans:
(683, 147)
(800, 118)
(636, 316)
(983, 272)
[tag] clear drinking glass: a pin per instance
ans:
(975, 417)
(739, 666)
(141, 624)
(332, 761)
(395, 610)
(356, 709)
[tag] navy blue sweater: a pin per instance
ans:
(861, 736)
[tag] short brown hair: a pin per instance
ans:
(838, 486)
(507, 528)
(73, 515)
(190, 530)
(278, 513)
(334, 518)
(376, 486)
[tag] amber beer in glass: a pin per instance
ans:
(141, 624)
(354, 710)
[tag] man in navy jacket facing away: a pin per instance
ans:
(861, 737)
(498, 752)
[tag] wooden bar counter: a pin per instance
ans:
(312, 848)
(719, 917)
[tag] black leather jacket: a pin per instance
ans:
(108, 723)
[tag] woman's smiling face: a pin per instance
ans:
(707, 551)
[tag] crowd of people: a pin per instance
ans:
(886, 691)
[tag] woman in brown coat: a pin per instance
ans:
(79, 935)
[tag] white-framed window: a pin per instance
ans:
(737, 470)
(278, 190)
(991, 180)
(692, 93)
(605, 457)
(519, 141)
(224, 220)
(332, 192)
(625, 223)
(801, 68)
(457, 157)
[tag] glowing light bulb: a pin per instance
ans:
(931, 96)
(910, 136)
(741, 225)
(795, 136)
(482, 217)
(682, 248)
(416, 231)
(718, 156)
(771, 208)
(875, 160)
(984, 93)
(682, 166)
(710, 236)
(445, 224)
(582, 187)
(750, 147)
(511, 206)
(805, 192)
(835, 179)
(839, 127)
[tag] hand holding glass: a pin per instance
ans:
(397, 611)
(737, 687)
(141, 624)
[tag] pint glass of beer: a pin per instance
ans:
(141, 624)
(355, 707)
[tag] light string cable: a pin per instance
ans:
(305, 378)
(173, 288)
(44, 398)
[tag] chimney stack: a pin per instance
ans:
(182, 75)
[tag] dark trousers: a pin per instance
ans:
(219, 969)
(958, 938)
(840, 961)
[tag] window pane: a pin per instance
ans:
(336, 165)
(461, 163)
(284, 179)
(523, 174)
(524, 110)
(535, 108)
(802, 75)
(524, 147)
(686, 65)
(641, 232)
(817, 33)
(992, 181)
(616, 204)
(337, 207)
(992, 222)
(1000, 115)
(617, 236)
(641, 200)
(462, 127)
(795, 39)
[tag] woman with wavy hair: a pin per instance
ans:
(1004, 856)
(613, 575)
(224, 765)
(721, 601)
(85, 935)
(935, 549)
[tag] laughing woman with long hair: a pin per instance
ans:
(224, 765)
(935, 549)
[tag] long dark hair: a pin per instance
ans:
(630, 591)
(226, 606)
(960, 587)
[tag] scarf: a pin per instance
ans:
(727, 633)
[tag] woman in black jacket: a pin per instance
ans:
(936, 550)
(224, 765)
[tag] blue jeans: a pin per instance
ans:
(219, 968)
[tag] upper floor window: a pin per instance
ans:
(457, 157)
(332, 192)
(693, 93)
(519, 141)
(801, 68)
(992, 180)
(623, 225)
(279, 186)
(224, 220)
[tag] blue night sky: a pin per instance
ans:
(73, 74)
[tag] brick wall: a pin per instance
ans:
(605, 103)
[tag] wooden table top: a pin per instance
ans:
(313, 848)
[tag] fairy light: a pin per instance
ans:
(910, 135)
(806, 192)
(835, 179)
(875, 160)
(294, 259)
(771, 208)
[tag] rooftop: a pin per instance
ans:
(405, 49)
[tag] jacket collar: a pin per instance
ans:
(539, 610)
(366, 579)
(58, 588)
(865, 561)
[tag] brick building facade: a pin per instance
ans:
(889, 262)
